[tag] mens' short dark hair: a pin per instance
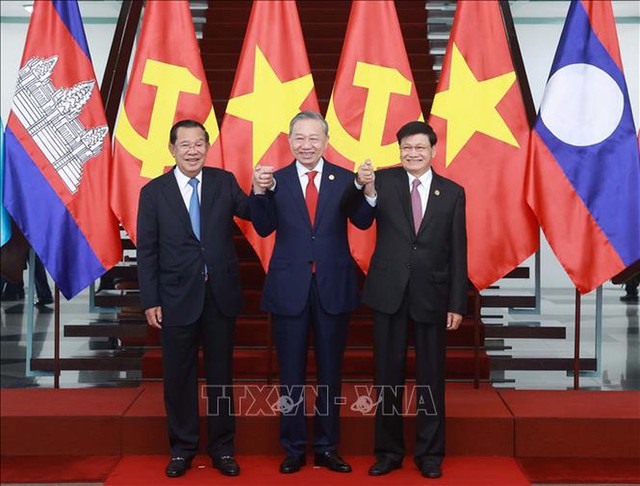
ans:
(173, 134)
(414, 128)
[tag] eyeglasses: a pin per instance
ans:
(200, 145)
(417, 148)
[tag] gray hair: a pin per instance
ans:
(309, 115)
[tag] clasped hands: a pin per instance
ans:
(366, 177)
(262, 178)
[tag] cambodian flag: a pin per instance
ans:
(58, 152)
(584, 178)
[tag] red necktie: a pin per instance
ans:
(311, 195)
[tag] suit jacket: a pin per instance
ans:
(286, 288)
(171, 259)
(432, 265)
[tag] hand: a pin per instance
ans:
(365, 174)
(154, 316)
(262, 178)
(453, 321)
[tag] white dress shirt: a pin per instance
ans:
(304, 178)
(424, 188)
(185, 189)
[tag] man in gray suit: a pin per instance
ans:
(418, 272)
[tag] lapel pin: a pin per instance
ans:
(331, 177)
(437, 192)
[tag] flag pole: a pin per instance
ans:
(56, 345)
(576, 344)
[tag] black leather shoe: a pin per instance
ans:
(431, 471)
(292, 464)
(332, 461)
(384, 466)
(227, 465)
(177, 467)
(629, 298)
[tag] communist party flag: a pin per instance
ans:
(373, 96)
(584, 184)
(273, 83)
(167, 84)
(483, 136)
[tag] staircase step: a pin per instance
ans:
(326, 45)
(358, 364)
(420, 60)
(255, 332)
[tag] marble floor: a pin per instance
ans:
(618, 349)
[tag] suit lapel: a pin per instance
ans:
(434, 201)
(210, 190)
(171, 193)
(326, 189)
(289, 177)
(402, 186)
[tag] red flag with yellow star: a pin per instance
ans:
(167, 84)
(373, 96)
(483, 137)
(273, 83)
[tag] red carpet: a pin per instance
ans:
(581, 470)
(68, 422)
(478, 423)
(263, 471)
(59, 469)
(575, 423)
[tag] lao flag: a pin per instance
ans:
(584, 183)
(58, 152)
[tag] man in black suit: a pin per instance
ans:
(418, 272)
(190, 288)
(311, 285)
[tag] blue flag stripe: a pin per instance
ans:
(52, 232)
(606, 175)
(69, 13)
(5, 221)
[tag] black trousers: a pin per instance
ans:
(291, 336)
(180, 363)
(390, 350)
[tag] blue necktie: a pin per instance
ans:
(194, 207)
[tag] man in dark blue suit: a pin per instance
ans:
(311, 283)
(190, 290)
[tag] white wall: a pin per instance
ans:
(538, 25)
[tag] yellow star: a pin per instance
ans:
(469, 106)
(271, 105)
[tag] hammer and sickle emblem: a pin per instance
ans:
(170, 81)
(381, 83)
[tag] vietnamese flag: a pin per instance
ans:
(167, 84)
(373, 96)
(273, 83)
(483, 138)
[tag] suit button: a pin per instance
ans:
(313, 237)
(408, 265)
(414, 247)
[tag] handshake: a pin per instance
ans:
(366, 177)
(262, 179)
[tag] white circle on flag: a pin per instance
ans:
(582, 105)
